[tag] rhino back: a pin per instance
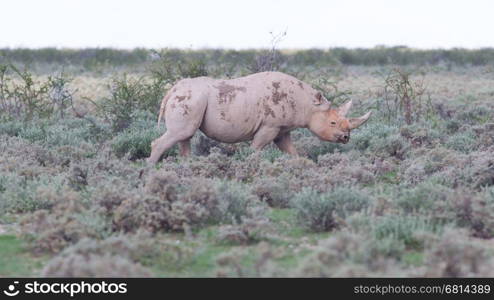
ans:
(238, 107)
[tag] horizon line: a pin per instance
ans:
(287, 49)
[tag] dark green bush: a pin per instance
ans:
(128, 95)
(23, 97)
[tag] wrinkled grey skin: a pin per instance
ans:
(261, 108)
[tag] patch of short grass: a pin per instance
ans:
(15, 260)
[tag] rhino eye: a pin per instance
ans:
(333, 123)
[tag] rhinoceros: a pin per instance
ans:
(262, 107)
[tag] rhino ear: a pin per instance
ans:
(343, 110)
(318, 99)
(356, 122)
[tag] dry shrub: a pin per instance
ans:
(30, 160)
(346, 169)
(475, 169)
(347, 254)
(426, 163)
(109, 196)
(140, 248)
(275, 191)
(106, 166)
(457, 255)
(248, 169)
(251, 230)
(162, 184)
(170, 204)
(485, 135)
(481, 173)
(146, 212)
(202, 145)
(78, 177)
(92, 265)
(419, 136)
(474, 211)
(261, 262)
(403, 97)
(215, 165)
(53, 230)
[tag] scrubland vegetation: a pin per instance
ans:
(411, 194)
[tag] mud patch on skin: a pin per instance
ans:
(301, 85)
(185, 108)
(278, 95)
(184, 97)
(292, 104)
(283, 112)
(227, 92)
(268, 111)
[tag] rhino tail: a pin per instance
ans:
(162, 109)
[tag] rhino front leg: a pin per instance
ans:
(284, 143)
(264, 136)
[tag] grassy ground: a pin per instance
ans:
(417, 199)
(15, 259)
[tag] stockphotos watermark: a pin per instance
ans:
(59, 288)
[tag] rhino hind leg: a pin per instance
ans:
(264, 136)
(160, 145)
(184, 147)
(285, 144)
(181, 126)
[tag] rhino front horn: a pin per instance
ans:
(356, 122)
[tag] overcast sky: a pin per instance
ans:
(246, 24)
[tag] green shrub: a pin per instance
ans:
(19, 195)
(402, 229)
(128, 95)
(473, 114)
(11, 128)
(323, 212)
(422, 198)
(372, 135)
(235, 201)
(137, 143)
(463, 141)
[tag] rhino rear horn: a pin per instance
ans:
(343, 109)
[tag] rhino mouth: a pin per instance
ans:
(343, 140)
